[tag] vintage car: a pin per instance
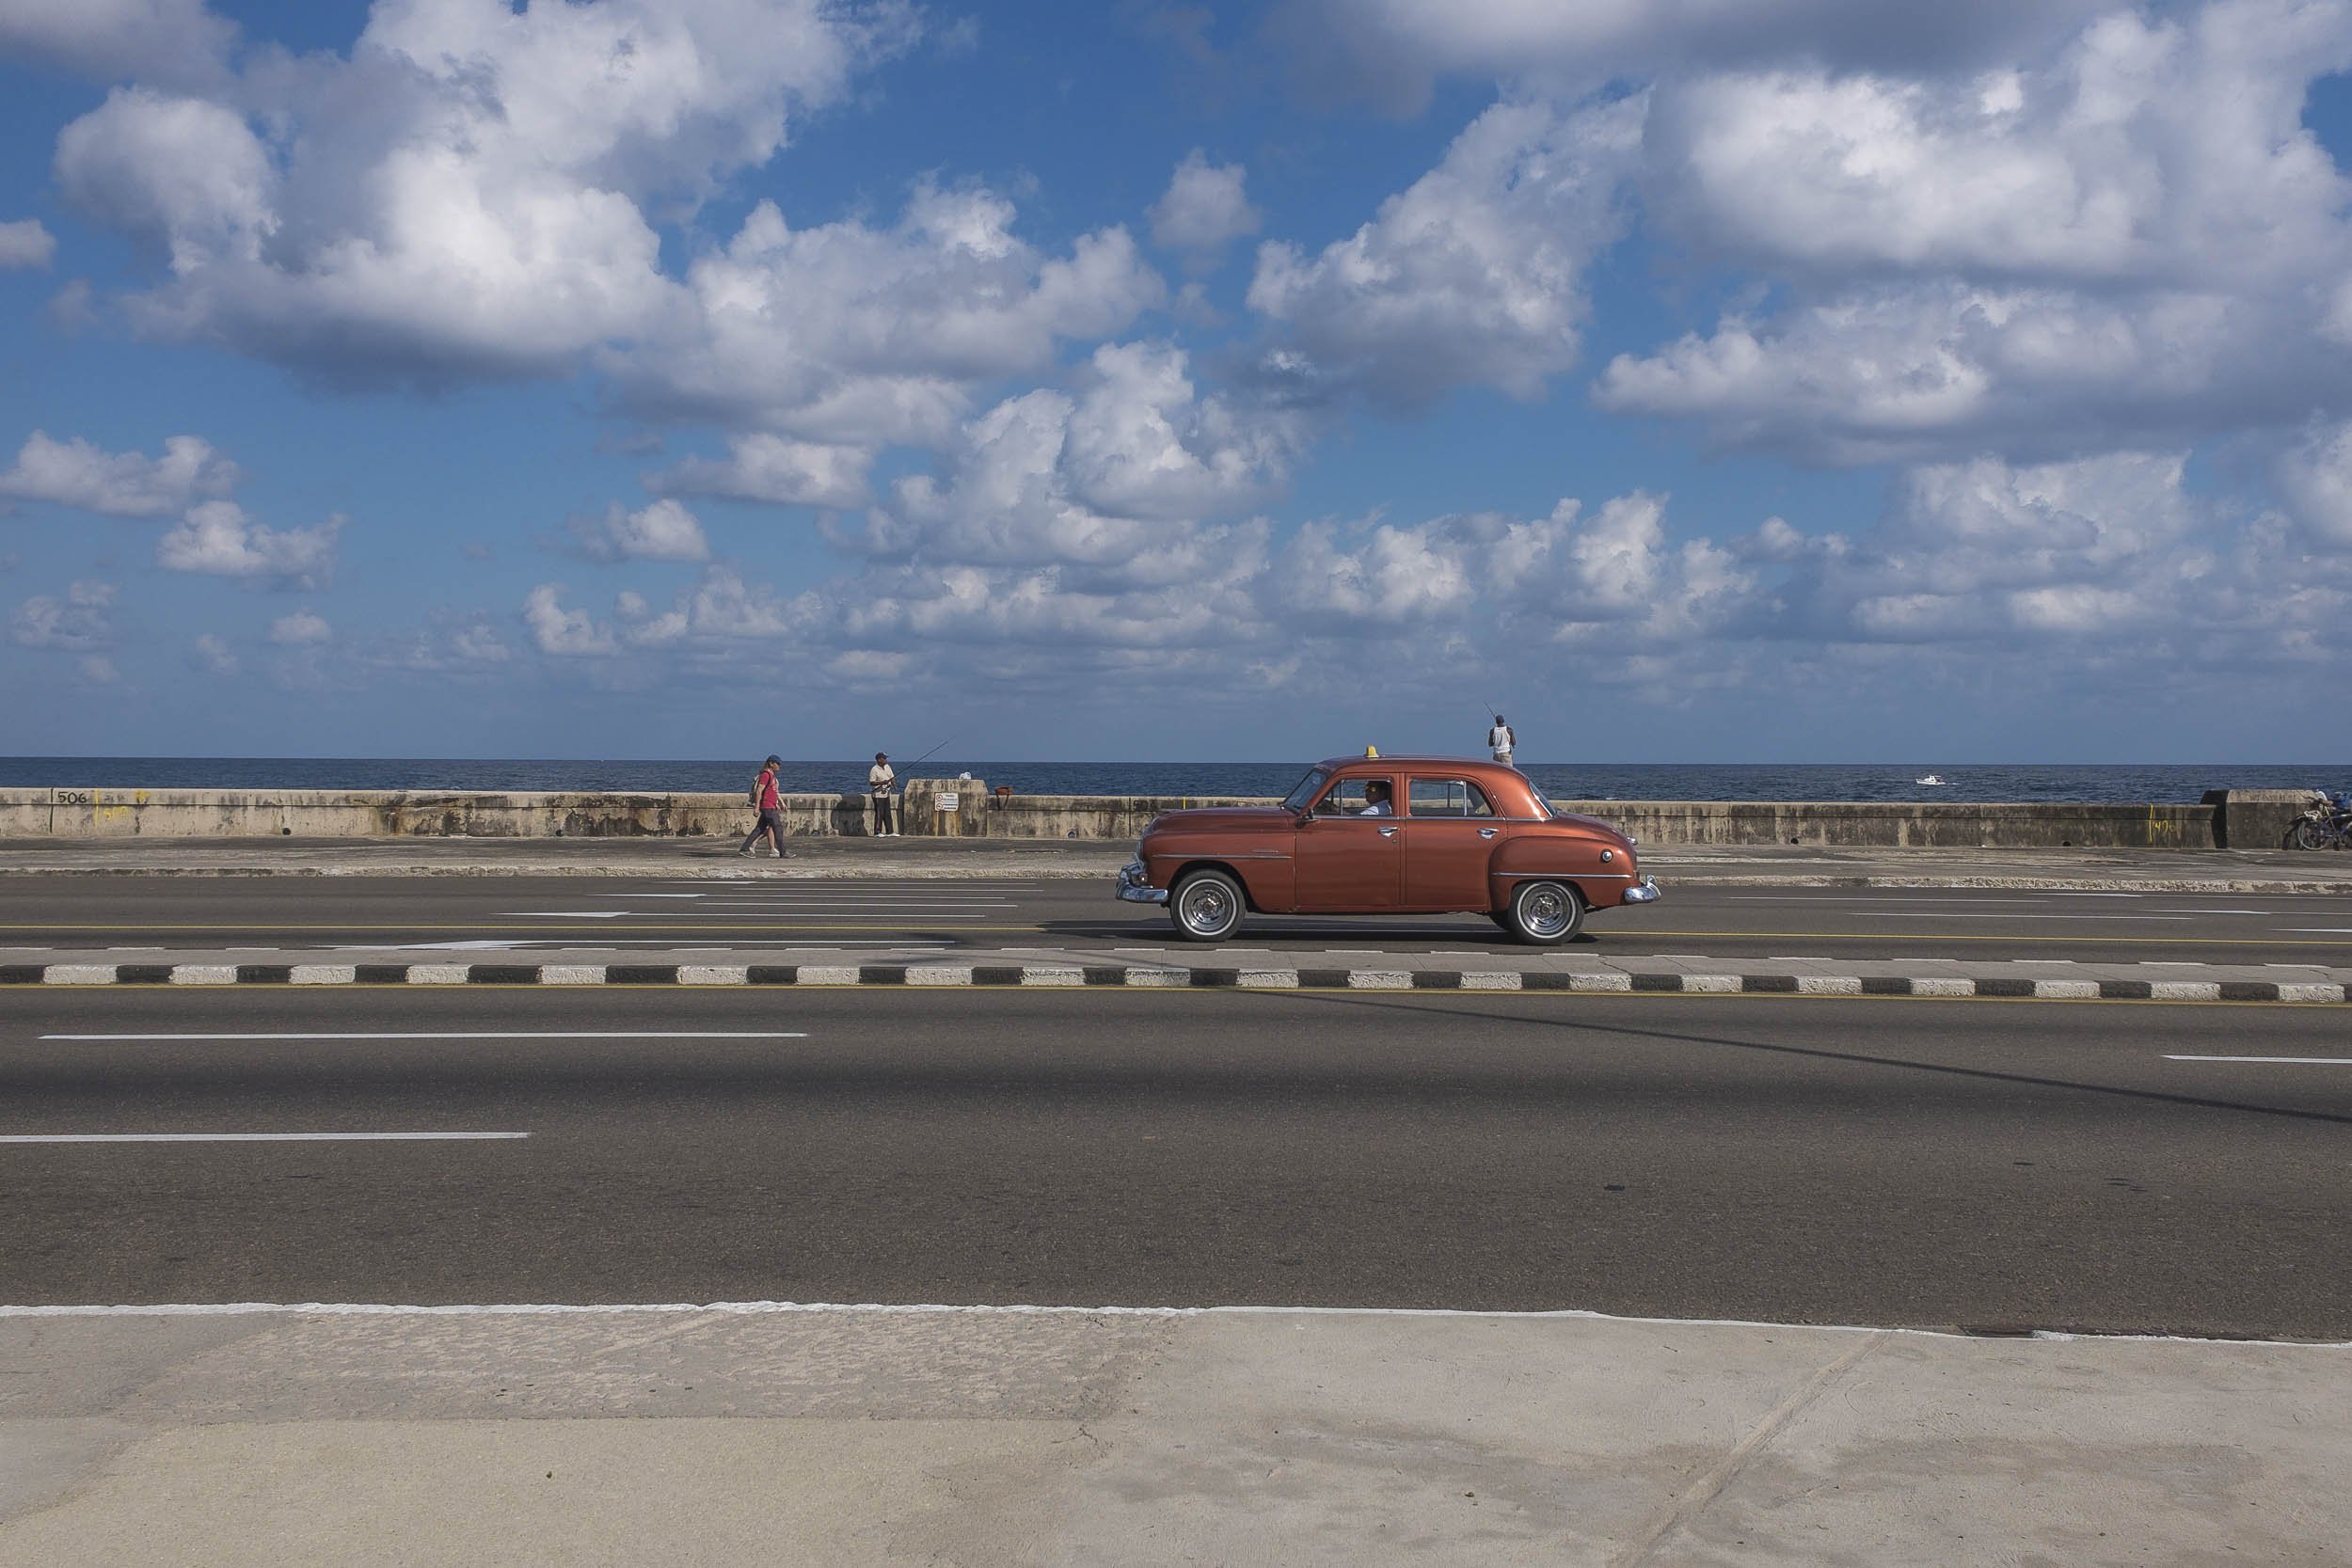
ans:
(1389, 835)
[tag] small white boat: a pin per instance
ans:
(1930, 779)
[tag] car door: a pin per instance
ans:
(1347, 860)
(1450, 832)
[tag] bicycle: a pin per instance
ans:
(2326, 824)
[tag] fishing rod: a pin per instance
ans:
(928, 756)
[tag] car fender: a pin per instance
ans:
(1601, 868)
(1266, 876)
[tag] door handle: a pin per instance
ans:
(1487, 833)
(1388, 832)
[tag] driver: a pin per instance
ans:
(1378, 797)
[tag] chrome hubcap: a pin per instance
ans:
(1545, 909)
(1207, 910)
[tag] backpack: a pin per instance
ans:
(754, 793)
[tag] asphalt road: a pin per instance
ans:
(413, 914)
(1983, 1165)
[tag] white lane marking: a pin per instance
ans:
(733, 901)
(480, 1035)
(895, 1309)
(2316, 931)
(515, 944)
(829, 917)
(251, 1138)
(1832, 897)
(2279, 1061)
(657, 895)
(1898, 914)
(2216, 911)
(564, 914)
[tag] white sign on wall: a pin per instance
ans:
(944, 802)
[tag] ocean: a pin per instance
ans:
(2128, 781)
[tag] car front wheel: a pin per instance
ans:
(1546, 913)
(1205, 906)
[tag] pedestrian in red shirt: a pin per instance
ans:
(771, 806)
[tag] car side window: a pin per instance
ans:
(1355, 798)
(1448, 798)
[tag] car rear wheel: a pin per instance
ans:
(1546, 913)
(1205, 906)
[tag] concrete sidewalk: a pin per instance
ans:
(846, 1436)
(1744, 865)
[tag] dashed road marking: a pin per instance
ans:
(471, 1035)
(253, 1137)
(2271, 1061)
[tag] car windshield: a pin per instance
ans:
(1296, 800)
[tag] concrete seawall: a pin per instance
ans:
(967, 808)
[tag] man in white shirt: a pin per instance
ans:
(880, 780)
(1378, 798)
(1501, 741)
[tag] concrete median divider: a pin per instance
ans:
(1726, 977)
(968, 808)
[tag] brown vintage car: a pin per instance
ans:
(1389, 835)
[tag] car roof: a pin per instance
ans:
(1409, 761)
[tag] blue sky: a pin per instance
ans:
(1787, 380)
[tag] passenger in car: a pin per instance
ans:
(1378, 798)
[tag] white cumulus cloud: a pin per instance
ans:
(1391, 50)
(664, 531)
(1474, 276)
(1121, 479)
(214, 655)
(219, 539)
(77, 622)
(468, 192)
(25, 243)
(114, 39)
(304, 628)
(774, 468)
(1205, 207)
(561, 632)
(845, 334)
(78, 473)
(2131, 239)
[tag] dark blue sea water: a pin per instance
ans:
(1572, 780)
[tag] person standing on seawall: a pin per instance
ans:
(880, 780)
(1502, 741)
(771, 806)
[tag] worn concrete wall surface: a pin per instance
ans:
(967, 808)
(2256, 818)
(1909, 825)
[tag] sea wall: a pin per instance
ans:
(967, 808)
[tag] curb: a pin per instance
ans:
(1161, 977)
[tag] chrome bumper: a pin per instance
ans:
(1136, 888)
(1645, 892)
